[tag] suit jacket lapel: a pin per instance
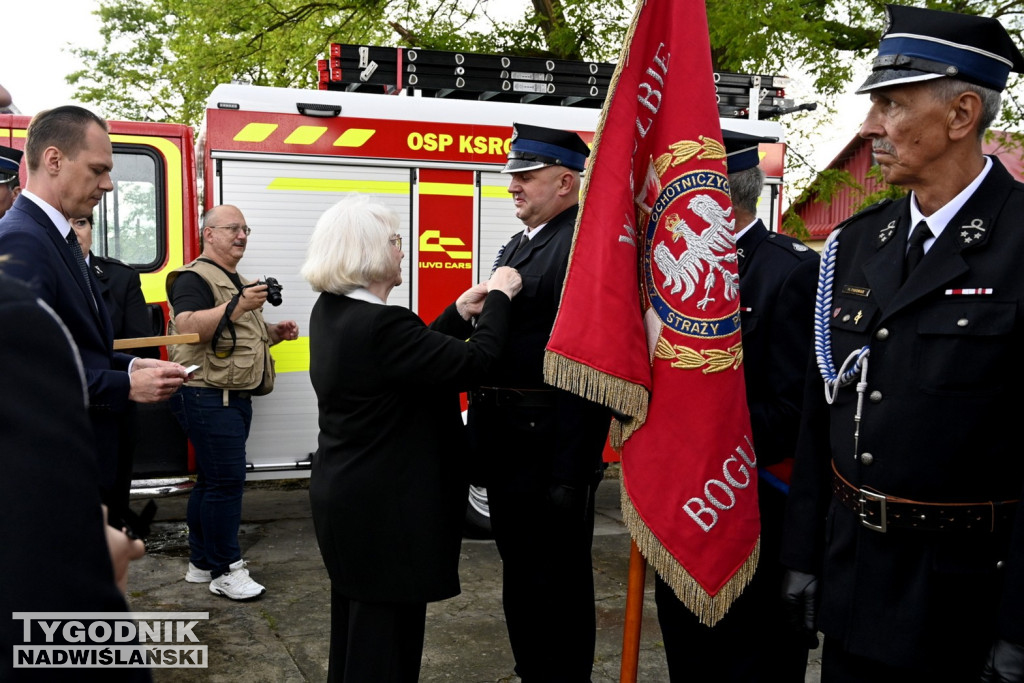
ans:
(884, 270)
(969, 229)
(563, 221)
(61, 245)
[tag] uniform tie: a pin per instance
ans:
(915, 248)
(523, 241)
(76, 251)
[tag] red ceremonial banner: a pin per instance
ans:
(649, 319)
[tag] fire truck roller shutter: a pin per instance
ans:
(281, 201)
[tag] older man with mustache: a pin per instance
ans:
(905, 535)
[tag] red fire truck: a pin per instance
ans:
(283, 156)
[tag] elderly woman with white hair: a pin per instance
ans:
(388, 486)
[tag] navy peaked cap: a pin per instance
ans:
(535, 147)
(10, 160)
(923, 44)
(741, 150)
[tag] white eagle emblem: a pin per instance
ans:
(700, 249)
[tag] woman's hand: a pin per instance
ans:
(471, 302)
(506, 279)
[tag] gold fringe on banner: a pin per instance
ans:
(622, 396)
(708, 608)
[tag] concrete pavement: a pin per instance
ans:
(283, 636)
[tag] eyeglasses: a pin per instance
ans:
(233, 228)
(396, 240)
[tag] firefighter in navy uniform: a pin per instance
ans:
(121, 289)
(778, 275)
(904, 534)
(10, 183)
(540, 448)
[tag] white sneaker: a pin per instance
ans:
(236, 583)
(197, 575)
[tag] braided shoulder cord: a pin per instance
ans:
(857, 362)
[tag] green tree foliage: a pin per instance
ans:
(161, 58)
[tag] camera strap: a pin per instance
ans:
(225, 322)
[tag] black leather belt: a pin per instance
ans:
(502, 397)
(880, 512)
(237, 393)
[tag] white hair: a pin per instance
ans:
(350, 246)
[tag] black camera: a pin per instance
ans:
(273, 290)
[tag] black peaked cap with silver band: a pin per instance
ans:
(10, 160)
(741, 150)
(534, 147)
(924, 44)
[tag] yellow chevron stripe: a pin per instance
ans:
(255, 132)
(336, 185)
(354, 137)
(305, 135)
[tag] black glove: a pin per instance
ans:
(1005, 663)
(570, 499)
(800, 597)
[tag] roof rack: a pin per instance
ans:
(506, 78)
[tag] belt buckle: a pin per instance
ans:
(870, 496)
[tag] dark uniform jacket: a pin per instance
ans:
(121, 290)
(39, 255)
(51, 526)
(556, 439)
(778, 276)
(940, 424)
(388, 486)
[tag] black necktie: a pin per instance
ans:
(915, 248)
(76, 251)
(523, 241)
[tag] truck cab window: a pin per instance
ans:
(129, 224)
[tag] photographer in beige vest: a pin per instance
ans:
(209, 297)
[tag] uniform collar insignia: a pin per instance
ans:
(972, 233)
(96, 269)
(886, 233)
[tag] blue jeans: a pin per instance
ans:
(218, 434)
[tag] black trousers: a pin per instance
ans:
(548, 583)
(753, 642)
(375, 641)
(839, 666)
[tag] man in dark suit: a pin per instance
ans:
(69, 159)
(121, 290)
(904, 519)
(541, 447)
(778, 275)
(55, 548)
(10, 184)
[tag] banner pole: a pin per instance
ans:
(634, 615)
